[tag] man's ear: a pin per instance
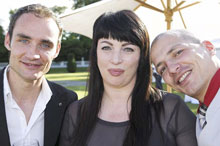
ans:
(57, 50)
(7, 42)
(209, 47)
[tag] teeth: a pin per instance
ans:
(183, 76)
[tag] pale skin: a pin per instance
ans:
(117, 62)
(33, 46)
(183, 64)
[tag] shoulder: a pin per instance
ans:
(170, 99)
(175, 106)
(62, 91)
(73, 109)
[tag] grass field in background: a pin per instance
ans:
(61, 74)
(82, 75)
(80, 90)
(78, 76)
(63, 70)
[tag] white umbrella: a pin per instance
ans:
(202, 19)
(81, 20)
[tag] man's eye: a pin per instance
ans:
(24, 41)
(178, 52)
(45, 46)
(128, 49)
(162, 70)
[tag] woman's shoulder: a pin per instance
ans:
(170, 98)
(172, 103)
(75, 105)
(73, 108)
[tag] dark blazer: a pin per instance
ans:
(54, 113)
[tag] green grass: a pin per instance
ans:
(80, 90)
(193, 107)
(63, 70)
(78, 76)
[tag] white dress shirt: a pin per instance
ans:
(17, 126)
(210, 134)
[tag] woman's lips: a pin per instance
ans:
(116, 72)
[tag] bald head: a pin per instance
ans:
(178, 33)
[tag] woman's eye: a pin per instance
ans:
(106, 48)
(128, 49)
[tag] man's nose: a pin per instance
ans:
(173, 67)
(33, 51)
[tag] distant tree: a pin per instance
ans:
(3, 51)
(81, 3)
(11, 12)
(58, 10)
(77, 44)
(71, 63)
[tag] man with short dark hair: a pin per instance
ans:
(32, 108)
(192, 67)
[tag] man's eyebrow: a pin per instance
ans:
(174, 48)
(47, 41)
(23, 36)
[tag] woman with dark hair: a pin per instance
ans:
(122, 108)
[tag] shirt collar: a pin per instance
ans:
(46, 92)
(212, 89)
(7, 89)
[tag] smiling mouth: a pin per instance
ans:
(31, 64)
(183, 77)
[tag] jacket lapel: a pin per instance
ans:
(53, 118)
(4, 136)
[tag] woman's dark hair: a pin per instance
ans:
(122, 26)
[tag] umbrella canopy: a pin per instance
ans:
(81, 20)
(200, 18)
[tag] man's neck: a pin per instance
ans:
(22, 89)
(211, 89)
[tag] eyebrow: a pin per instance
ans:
(23, 36)
(125, 44)
(47, 41)
(107, 42)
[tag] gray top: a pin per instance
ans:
(177, 121)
